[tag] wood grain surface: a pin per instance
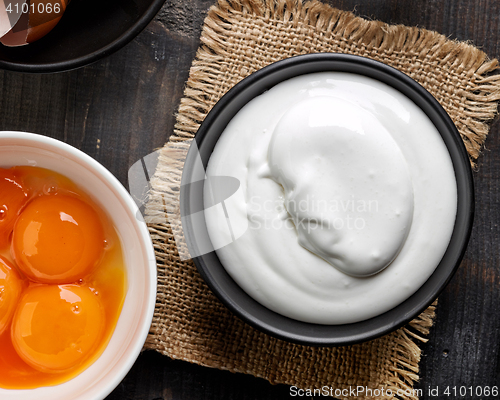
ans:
(122, 108)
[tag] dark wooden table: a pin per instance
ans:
(122, 108)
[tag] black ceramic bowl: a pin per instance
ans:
(88, 31)
(232, 295)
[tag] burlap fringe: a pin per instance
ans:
(405, 367)
(481, 93)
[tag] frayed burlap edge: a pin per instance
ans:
(238, 38)
(373, 39)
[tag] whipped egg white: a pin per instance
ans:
(349, 198)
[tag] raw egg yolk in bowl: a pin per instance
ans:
(57, 239)
(62, 279)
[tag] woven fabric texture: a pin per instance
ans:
(238, 38)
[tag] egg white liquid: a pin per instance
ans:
(348, 198)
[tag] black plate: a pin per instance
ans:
(88, 31)
(261, 317)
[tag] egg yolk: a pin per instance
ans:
(56, 327)
(12, 199)
(57, 239)
(11, 287)
(53, 325)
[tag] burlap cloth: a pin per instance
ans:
(238, 38)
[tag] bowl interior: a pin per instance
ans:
(223, 285)
(135, 319)
(88, 30)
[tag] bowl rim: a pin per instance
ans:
(107, 50)
(255, 314)
(58, 147)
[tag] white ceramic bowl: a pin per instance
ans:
(97, 381)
